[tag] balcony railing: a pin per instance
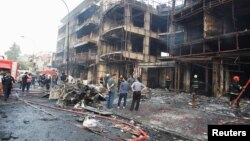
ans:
(93, 20)
(87, 38)
(84, 57)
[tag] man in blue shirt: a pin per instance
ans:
(136, 87)
(124, 87)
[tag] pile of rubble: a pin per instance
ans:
(78, 94)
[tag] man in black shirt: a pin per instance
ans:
(7, 81)
(24, 81)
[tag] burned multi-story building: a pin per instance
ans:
(77, 40)
(113, 36)
(128, 37)
(215, 43)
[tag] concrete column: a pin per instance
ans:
(146, 40)
(101, 71)
(146, 45)
(227, 80)
(145, 76)
(217, 78)
(206, 79)
(99, 51)
(186, 82)
(177, 77)
(172, 26)
(127, 14)
(221, 78)
(172, 78)
(147, 19)
(129, 45)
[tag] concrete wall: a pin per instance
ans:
(211, 25)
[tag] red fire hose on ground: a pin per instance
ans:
(143, 136)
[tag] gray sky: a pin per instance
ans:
(36, 20)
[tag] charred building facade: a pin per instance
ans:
(129, 37)
(214, 43)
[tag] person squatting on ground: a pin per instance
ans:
(136, 87)
(111, 91)
(235, 89)
(123, 92)
(195, 88)
(7, 82)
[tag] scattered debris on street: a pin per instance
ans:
(78, 95)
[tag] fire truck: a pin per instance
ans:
(7, 66)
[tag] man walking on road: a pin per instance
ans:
(136, 87)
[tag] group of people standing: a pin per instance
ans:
(47, 80)
(26, 81)
(123, 89)
(43, 80)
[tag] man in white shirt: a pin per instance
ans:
(136, 87)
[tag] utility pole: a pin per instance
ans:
(67, 42)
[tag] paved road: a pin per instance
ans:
(26, 123)
(22, 122)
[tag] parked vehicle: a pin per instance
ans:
(7, 66)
